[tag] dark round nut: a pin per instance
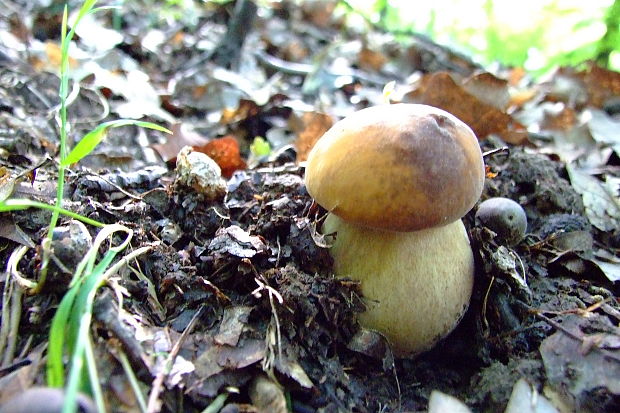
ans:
(503, 216)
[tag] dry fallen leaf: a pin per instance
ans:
(10, 230)
(309, 128)
(233, 322)
(602, 207)
(593, 86)
(371, 60)
(7, 183)
(580, 377)
(244, 110)
(217, 358)
(563, 120)
(608, 263)
(319, 13)
(440, 90)
(267, 396)
(49, 58)
(515, 75)
(489, 89)
(601, 84)
(526, 399)
(235, 241)
(605, 129)
(180, 138)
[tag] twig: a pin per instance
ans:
(271, 292)
(485, 304)
(503, 149)
(152, 406)
(573, 335)
(305, 69)
(12, 307)
(228, 52)
(16, 312)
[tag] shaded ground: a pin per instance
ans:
(249, 263)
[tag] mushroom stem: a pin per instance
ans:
(417, 285)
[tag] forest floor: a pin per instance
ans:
(236, 283)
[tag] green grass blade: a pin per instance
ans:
(18, 204)
(79, 326)
(93, 376)
(68, 326)
(93, 138)
(55, 367)
(86, 145)
(133, 381)
(71, 324)
(64, 330)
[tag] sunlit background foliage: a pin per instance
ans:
(537, 35)
(534, 34)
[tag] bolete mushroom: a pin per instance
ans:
(396, 180)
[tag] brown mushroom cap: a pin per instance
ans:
(401, 167)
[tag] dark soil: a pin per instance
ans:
(252, 266)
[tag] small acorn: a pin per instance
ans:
(505, 217)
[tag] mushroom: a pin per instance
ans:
(396, 180)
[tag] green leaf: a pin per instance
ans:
(260, 147)
(55, 365)
(93, 138)
(69, 334)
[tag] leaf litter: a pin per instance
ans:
(274, 328)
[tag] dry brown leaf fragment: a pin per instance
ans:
(608, 263)
(593, 86)
(319, 13)
(515, 75)
(267, 396)
(573, 371)
(441, 90)
(235, 241)
(602, 207)
(489, 89)
(563, 120)
(309, 128)
(180, 138)
(371, 60)
(244, 110)
(601, 84)
(233, 322)
(520, 97)
(11, 231)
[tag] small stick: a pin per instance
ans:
(572, 335)
(158, 383)
(503, 149)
